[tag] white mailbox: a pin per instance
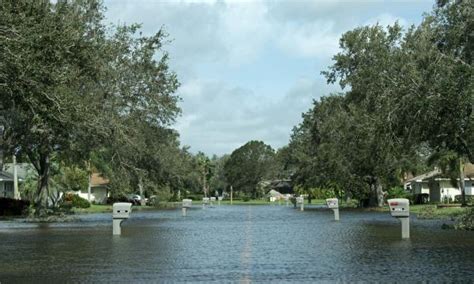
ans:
(187, 203)
(399, 207)
(333, 203)
(300, 201)
(121, 210)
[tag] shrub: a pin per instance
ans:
(465, 221)
(75, 200)
(399, 192)
(245, 198)
(13, 207)
(469, 199)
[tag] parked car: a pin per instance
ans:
(134, 199)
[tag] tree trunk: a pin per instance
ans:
(42, 191)
(140, 187)
(376, 189)
(379, 190)
(16, 193)
(462, 183)
(1, 146)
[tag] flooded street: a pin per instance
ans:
(237, 244)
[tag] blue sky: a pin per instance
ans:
(248, 69)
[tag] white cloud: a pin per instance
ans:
(226, 54)
(230, 116)
(316, 39)
(386, 19)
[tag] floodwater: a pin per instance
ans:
(236, 244)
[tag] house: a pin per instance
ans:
(6, 178)
(435, 187)
(99, 189)
(6, 185)
(275, 195)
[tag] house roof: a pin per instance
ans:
(274, 193)
(469, 170)
(424, 176)
(468, 173)
(4, 176)
(24, 170)
(98, 180)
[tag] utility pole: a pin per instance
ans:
(90, 180)
(16, 193)
(462, 183)
(1, 147)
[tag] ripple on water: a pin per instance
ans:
(236, 243)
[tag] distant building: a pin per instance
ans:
(6, 185)
(6, 177)
(435, 187)
(99, 189)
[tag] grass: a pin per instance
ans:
(424, 211)
(95, 208)
(433, 212)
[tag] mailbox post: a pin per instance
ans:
(212, 200)
(300, 201)
(205, 201)
(400, 209)
(121, 211)
(187, 203)
(333, 203)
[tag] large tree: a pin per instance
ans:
(248, 165)
(69, 87)
(48, 72)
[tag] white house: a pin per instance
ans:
(6, 185)
(99, 189)
(6, 178)
(438, 188)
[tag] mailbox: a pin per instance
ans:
(121, 210)
(299, 200)
(399, 207)
(187, 203)
(333, 203)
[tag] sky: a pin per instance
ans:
(249, 69)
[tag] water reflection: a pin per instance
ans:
(236, 243)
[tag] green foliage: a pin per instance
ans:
(28, 188)
(469, 199)
(75, 200)
(76, 91)
(408, 104)
(465, 221)
(399, 192)
(248, 165)
(70, 178)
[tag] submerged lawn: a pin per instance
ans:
(424, 211)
